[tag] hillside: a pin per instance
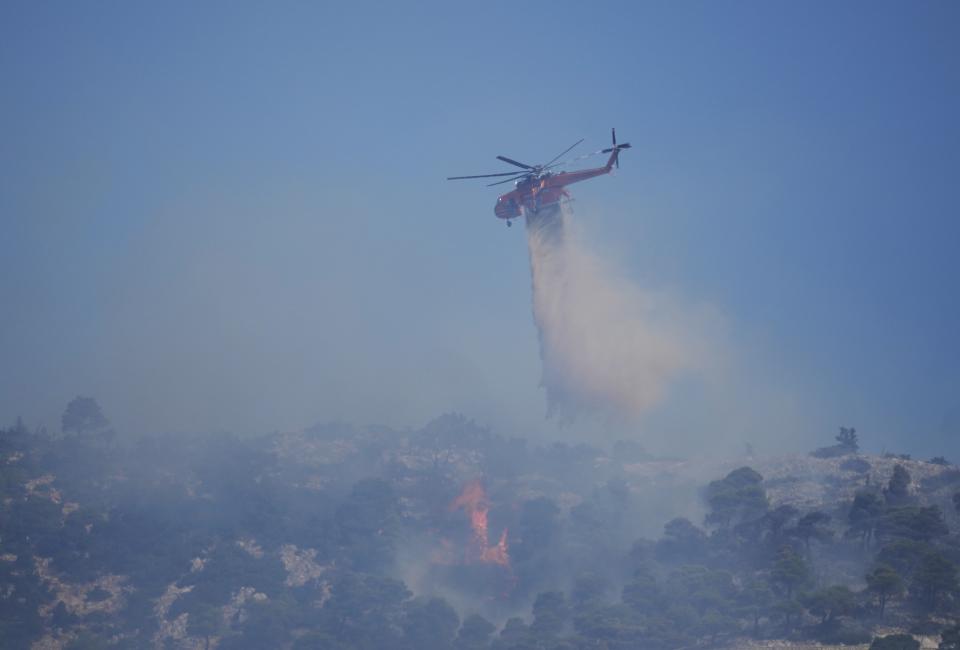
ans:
(451, 536)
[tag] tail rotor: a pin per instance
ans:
(616, 148)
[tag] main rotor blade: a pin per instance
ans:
(513, 162)
(564, 152)
(573, 160)
(506, 181)
(457, 178)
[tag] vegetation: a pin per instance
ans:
(347, 538)
(847, 443)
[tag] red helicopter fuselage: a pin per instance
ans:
(534, 193)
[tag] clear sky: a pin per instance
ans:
(233, 216)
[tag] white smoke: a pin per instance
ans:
(608, 346)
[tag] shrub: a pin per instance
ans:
(858, 465)
(891, 455)
(895, 642)
(833, 451)
(840, 632)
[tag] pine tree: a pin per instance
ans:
(848, 439)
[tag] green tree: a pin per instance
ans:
(365, 610)
(682, 541)
(755, 601)
(268, 625)
(830, 602)
(865, 513)
(538, 528)
(20, 622)
(474, 633)
(228, 568)
(715, 623)
(950, 638)
(205, 621)
(737, 498)
(702, 588)
(905, 556)
(898, 489)
(935, 577)
(772, 527)
(812, 526)
(369, 524)
(885, 583)
(588, 588)
(788, 609)
(921, 524)
(429, 624)
(82, 416)
(515, 635)
(789, 571)
(550, 614)
(643, 594)
(62, 618)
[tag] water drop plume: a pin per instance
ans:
(607, 346)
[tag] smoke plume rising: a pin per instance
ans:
(607, 346)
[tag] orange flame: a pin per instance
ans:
(473, 500)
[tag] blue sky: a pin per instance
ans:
(233, 215)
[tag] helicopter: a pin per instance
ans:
(536, 187)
